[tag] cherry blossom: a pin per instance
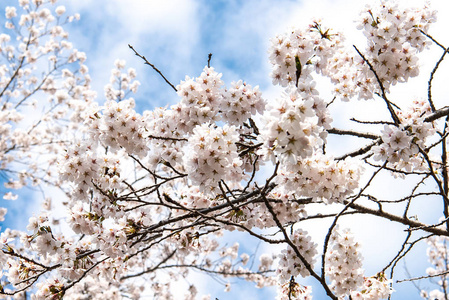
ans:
(151, 196)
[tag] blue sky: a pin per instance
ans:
(177, 36)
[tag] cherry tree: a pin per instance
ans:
(150, 195)
(44, 90)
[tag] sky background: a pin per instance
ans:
(177, 35)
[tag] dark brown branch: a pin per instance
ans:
(406, 251)
(429, 226)
(371, 122)
(248, 148)
(405, 221)
(398, 256)
(441, 188)
(167, 138)
(360, 151)
(209, 57)
(236, 273)
(334, 222)
(382, 89)
(438, 114)
(424, 277)
(445, 175)
(65, 288)
(433, 40)
(241, 199)
(429, 84)
(307, 265)
(443, 112)
(150, 269)
(154, 68)
(353, 133)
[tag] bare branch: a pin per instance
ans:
(154, 68)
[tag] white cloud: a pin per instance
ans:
(166, 32)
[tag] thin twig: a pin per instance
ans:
(382, 89)
(371, 122)
(353, 133)
(154, 68)
(209, 57)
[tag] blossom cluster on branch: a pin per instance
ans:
(40, 71)
(152, 196)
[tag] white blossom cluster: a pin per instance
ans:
(437, 254)
(121, 83)
(81, 220)
(200, 100)
(42, 235)
(394, 36)
(100, 289)
(213, 157)
(290, 264)
(344, 262)
(188, 241)
(394, 39)
(38, 62)
(292, 129)
(84, 167)
(194, 164)
(292, 290)
(287, 209)
(400, 144)
(240, 102)
(192, 197)
(321, 177)
(294, 55)
(49, 288)
(118, 126)
(163, 132)
(433, 295)
(3, 212)
(204, 99)
(56, 249)
(8, 117)
(89, 285)
(374, 288)
(209, 156)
